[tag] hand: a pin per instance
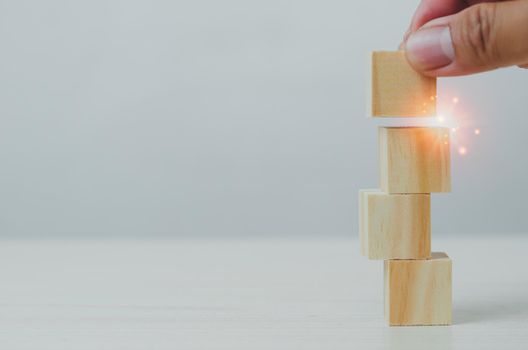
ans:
(457, 37)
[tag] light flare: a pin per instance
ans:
(452, 114)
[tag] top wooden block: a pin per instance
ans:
(398, 90)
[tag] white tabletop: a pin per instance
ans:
(247, 294)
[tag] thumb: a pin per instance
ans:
(480, 38)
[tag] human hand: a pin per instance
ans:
(457, 37)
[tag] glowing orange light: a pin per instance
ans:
(445, 142)
(477, 131)
(462, 151)
(455, 99)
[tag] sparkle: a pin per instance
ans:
(454, 129)
(455, 99)
(440, 119)
(462, 150)
(477, 131)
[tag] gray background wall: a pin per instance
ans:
(221, 118)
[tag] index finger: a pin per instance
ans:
(431, 9)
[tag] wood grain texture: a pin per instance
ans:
(397, 90)
(394, 226)
(418, 292)
(414, 159)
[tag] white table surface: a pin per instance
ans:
(247, 294)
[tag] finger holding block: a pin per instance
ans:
(418, 292)
(394, 226)
(414, 159)
(397, 90)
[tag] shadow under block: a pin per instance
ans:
(394, 226)
(397, 90)
(414, 159)
(418, 292)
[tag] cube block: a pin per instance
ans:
(418, 292)
(414, 159)
(397, 90)
(395, 226)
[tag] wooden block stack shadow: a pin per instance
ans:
(395, 223)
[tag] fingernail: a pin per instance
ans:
(430, 48)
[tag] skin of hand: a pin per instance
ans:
(457, 37)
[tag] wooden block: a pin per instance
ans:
(414, 159)
(397, 90)
(395, 226)
(418, 292)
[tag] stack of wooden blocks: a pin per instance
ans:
(395, 223)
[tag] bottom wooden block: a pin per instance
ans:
(418, 292)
